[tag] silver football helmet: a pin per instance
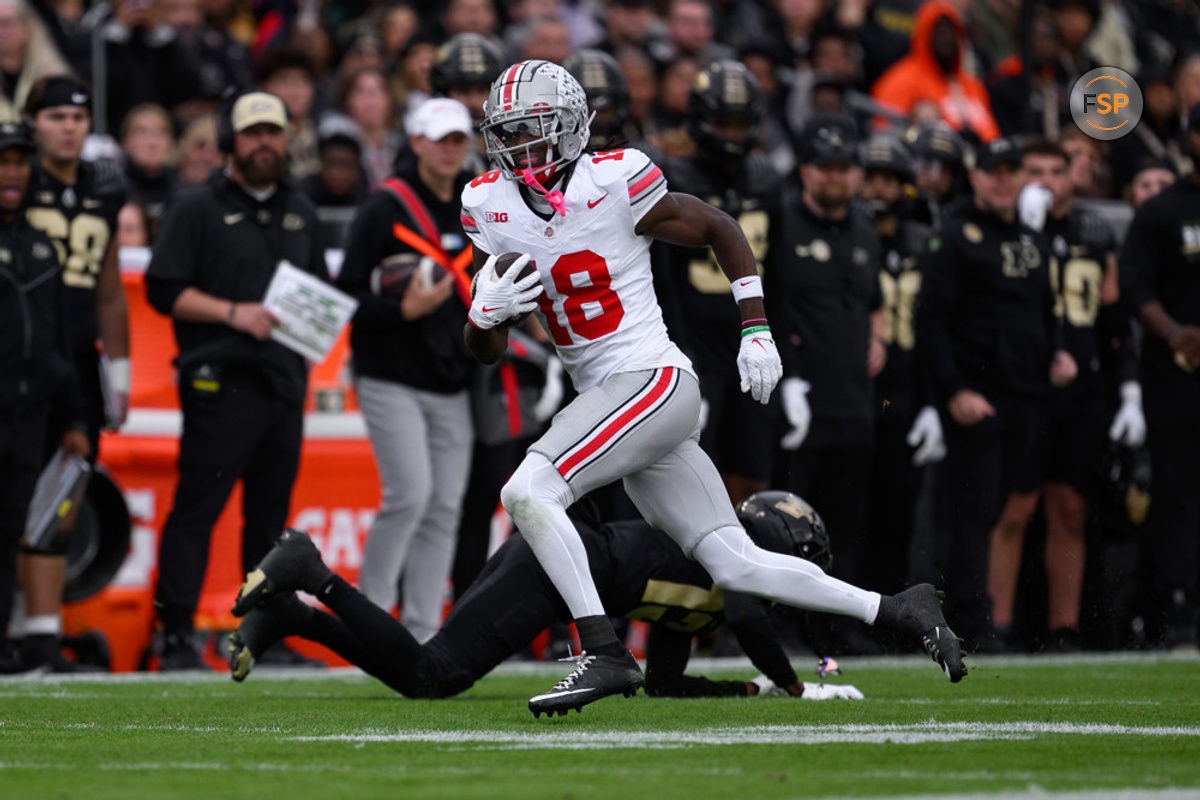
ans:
(535, 104)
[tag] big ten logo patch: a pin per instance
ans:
(339, 533)
(1106, 103)
(495, 216)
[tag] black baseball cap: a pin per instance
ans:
(16, 134)
(60, 90)
(998, 152)
(828, 138)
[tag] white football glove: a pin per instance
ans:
(767, 687)
(926, 435)
(794, 392)
(759, 365)
(118, 372)
(812, 691)
(552, 392)
(1033, 203)
(830, 691)
(1129, 425)
(499, 299)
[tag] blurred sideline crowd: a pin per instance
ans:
(878, 155)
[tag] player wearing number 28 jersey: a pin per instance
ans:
(586, 221)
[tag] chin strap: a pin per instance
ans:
(554, 198)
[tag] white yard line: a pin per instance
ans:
(919, 733)
(695, 665)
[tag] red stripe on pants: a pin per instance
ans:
(614, 427)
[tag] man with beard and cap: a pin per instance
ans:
(241, 392)
(37, 375)
(1161, 284)
(822, 274)
(908, 432)
(725, 111)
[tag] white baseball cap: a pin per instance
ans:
(437, 118)
(254, 108)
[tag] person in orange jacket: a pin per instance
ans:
(933, 73)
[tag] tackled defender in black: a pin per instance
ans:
(639, 572)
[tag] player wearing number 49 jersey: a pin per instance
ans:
(586, 221)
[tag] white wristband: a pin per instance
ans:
(746, 288)
(119, 375)
(1131, 392)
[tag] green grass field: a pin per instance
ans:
(1088, 726)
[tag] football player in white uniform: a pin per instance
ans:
(585, 220)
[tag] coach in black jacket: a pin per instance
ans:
(37, 374)
(242, 394)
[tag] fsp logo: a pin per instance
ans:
(1106, 103)
(495, 216)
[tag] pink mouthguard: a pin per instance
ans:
(554, 198)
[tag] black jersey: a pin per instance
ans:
(822, 286)
(1081, 243)
(81, 219)
(640, 573)
(896, 388)
(697, 302)
(986, 317)
(1160, 261)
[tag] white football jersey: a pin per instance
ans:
(599, 306)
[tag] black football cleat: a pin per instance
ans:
(594, 677)
(917, 612)
(294, 564)
(277, 616)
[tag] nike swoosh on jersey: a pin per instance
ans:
(234, 219)
(560, 694)
(597, 201)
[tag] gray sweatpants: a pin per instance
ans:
(422, 443)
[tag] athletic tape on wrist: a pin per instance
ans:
(746, 288)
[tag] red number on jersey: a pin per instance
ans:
(596, 292)
(610, 155)
(487, 177)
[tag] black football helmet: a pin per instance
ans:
(607, 94)
(467, 59)
(885, 153)
(725, 95)
(936, 141)
(783, 523)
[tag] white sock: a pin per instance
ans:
(536, 497)
(43, 625)
(736, 563)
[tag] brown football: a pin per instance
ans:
(503, 262)
(393, 275)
